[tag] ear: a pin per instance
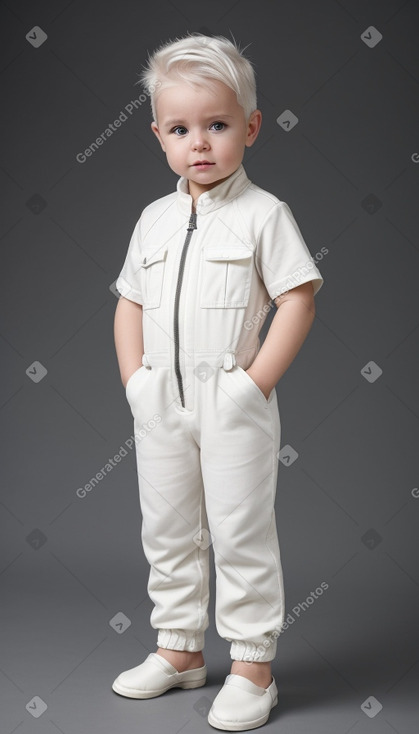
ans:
(156, 132)
(253, 127)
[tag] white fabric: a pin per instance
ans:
(247, 247)
(206, 476)
(211, 465)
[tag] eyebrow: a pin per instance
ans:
(179, 121)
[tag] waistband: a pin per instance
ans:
(226, 360)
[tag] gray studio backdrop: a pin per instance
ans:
(338, 85)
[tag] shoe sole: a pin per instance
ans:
(135, 693)
(242, 726)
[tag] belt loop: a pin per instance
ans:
(146, 362)
(229, 361)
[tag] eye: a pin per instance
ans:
(179, 130)
(218, 126)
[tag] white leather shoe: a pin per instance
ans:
(241, 704)
(155, 676)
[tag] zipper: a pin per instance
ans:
(190, 229)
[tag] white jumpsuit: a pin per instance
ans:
(207, 439)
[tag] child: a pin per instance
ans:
(202, 265)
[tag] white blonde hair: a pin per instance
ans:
(195, 59)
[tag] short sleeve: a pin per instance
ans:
(283, 259)
(128, 281)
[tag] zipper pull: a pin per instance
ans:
(192, 221)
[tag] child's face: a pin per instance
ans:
(194, 124)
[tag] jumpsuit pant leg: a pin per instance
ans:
(173, 512)
(239, 447)
(209, 473)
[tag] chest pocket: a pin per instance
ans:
(151, 277)
(226, 277)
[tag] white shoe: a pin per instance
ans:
(241, 704)
(155, 676)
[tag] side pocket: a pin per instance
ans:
(255, 387)
(132, 379)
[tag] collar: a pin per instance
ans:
(212, 199)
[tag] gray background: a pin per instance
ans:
(347, 508)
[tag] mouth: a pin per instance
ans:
(202, 164)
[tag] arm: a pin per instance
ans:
(287, 332)
(128, 334)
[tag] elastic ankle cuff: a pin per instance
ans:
(252, 653)
(174, 639)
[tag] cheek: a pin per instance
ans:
(230, 148)
(175, 158)
(174, 149)
(170, 151)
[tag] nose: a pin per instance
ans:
(199, 141)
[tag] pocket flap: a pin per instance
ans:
(236, 253)
(149, 258)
